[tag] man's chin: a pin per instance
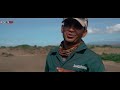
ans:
(69, 40)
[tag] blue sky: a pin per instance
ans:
(47, 31)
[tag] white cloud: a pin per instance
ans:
(108, 29)
(93, 30)
(112, 29)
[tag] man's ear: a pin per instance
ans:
(84, 33)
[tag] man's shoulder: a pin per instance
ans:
(53, 50)
(92, 54)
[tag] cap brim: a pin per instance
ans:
(80, 21)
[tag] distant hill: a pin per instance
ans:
(101, 43)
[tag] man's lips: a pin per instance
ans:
(71, 35)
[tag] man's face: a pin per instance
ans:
(72, 31)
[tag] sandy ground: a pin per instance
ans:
(22, 64)
(112, 66)
(37, 64)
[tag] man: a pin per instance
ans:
(73, 55)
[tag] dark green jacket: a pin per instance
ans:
(81, 60)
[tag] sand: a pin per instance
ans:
(22, 64)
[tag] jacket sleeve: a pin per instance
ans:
(46, 67)
(47, 61)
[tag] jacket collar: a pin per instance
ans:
(79, 49)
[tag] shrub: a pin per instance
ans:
(111, 57)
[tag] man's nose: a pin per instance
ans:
(71, 29)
